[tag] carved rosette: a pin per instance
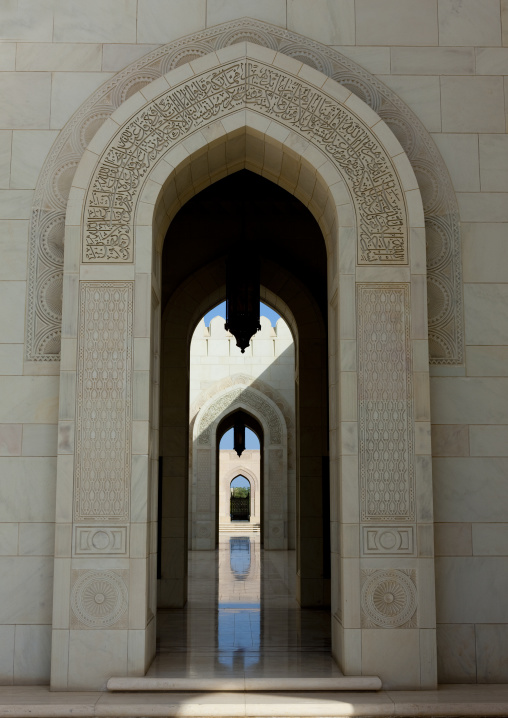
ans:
(389, 598)
(50, 198)
(99, 599)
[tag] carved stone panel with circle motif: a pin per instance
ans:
(104, 401)
(99, 598)
(103, 540)
(388, 541)
(389, 598)
(43, 325)
(385, 403)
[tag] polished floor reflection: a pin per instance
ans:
(242, 619)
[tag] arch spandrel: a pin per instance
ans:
(50, 198)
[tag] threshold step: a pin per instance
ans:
(301, 683)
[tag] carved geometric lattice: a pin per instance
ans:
(103, 414)
(276, 485)
(385, 404)
(43, 325)
(203, 480)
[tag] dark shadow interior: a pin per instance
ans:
(285, 237)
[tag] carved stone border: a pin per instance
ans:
(50, 197)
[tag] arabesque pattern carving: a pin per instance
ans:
(376, 190)
(239, 395)
(203, 480)
(389, 598)
(444, 265)
(276, 484)
(385, 410)
(50, 198)
(104, 389)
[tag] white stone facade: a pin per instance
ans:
(423, 85)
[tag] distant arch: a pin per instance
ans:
(275, 466)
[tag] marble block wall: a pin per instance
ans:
(448, 61)
(270, 357)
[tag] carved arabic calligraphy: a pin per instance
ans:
(334, 128)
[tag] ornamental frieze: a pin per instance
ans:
(161, 124)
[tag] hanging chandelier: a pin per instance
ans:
(239, 434)
(242, 296)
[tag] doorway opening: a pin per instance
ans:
(239, 499)
(240, 478)
(287, 581)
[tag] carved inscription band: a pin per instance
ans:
(349, 144)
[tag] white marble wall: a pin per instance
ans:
(269, 357)
(448, 60)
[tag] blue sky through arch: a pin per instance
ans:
(240, 481)
(251, 440)
(220, 311)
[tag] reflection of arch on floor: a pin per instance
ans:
(204, 464)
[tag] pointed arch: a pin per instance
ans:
(46, 253)
(341, 160)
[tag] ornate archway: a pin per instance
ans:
(145, 162)
(275, 457)
(46, 254)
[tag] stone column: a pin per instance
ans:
(386, 604)
(104, 598)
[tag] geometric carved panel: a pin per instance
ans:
(99, 599)
(275, 483)
(388, 540)
(203, 478)
(389, 598)
(104, 399)
(43, 325)
(104, 540)
(385, 403)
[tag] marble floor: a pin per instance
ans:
(242, 619)
(459, 701)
